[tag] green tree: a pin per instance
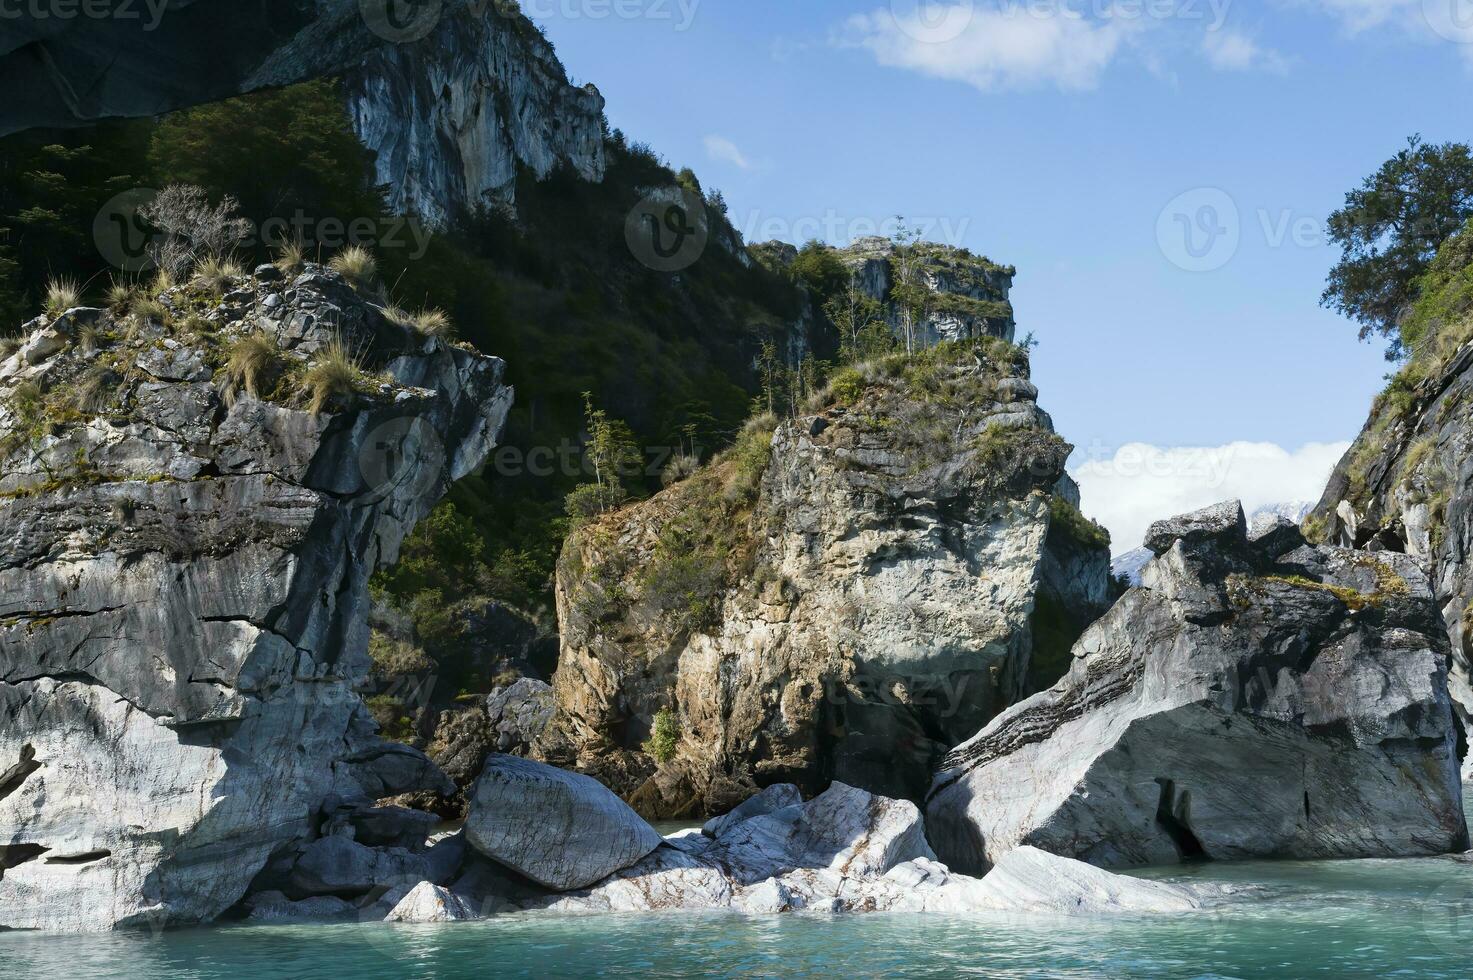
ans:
(280, 153)
(612, 453)
(819, 267)
(1389, 230)
(907, 291)
(862, 328)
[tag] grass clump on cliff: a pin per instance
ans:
(1072, 522)
(357, 265)
(335, 373)
(250, 364)
(61, 294)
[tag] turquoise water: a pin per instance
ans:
(1339, 919)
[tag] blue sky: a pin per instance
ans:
(1079, 147)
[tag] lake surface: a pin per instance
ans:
(1411, 918)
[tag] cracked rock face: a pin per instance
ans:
(183, 587)
(1407, 485)
(872, 606)
(1246, 701)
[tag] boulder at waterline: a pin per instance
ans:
(1234, 706)
(561, 829)
(428, 902)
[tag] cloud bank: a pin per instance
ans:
(1143, 483)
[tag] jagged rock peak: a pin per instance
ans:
(197, 484)
(845, 595)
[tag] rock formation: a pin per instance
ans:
(845, 598)
(1406, 485)
(453, 96)
(1254, 698)
(183, 582)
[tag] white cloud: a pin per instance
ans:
(1235, 51)
(1429, 20)
(722, 149)
(1144, 483)
(1008, 47)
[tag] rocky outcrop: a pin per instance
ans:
(183, 582)
(1252, 699)
(1406, 485)
(453, 96)
(845, 598)
(561, 829)
(455, 116)
(967, 294)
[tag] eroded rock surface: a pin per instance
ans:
(1242, 703)
(183, 586)
(845, 599)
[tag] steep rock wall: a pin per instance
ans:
(843, 599)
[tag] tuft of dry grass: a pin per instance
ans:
(434, 322)
(334, 373)
(249, 365)
(94, 391)
(290, 256)
(357, 265)
(217, 273)
(61, 295)
(120, 296)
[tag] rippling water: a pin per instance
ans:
(1332, 919)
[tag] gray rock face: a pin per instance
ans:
(455, 116)
(1234, 706)
(453, 96)
(183, 593)
(875, 604)
(561, 829)
(1407, 485)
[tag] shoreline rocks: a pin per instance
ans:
(1249, 700)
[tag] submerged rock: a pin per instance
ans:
(183, 589)
(561, 829)
(845, 599)
(1236, 705)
